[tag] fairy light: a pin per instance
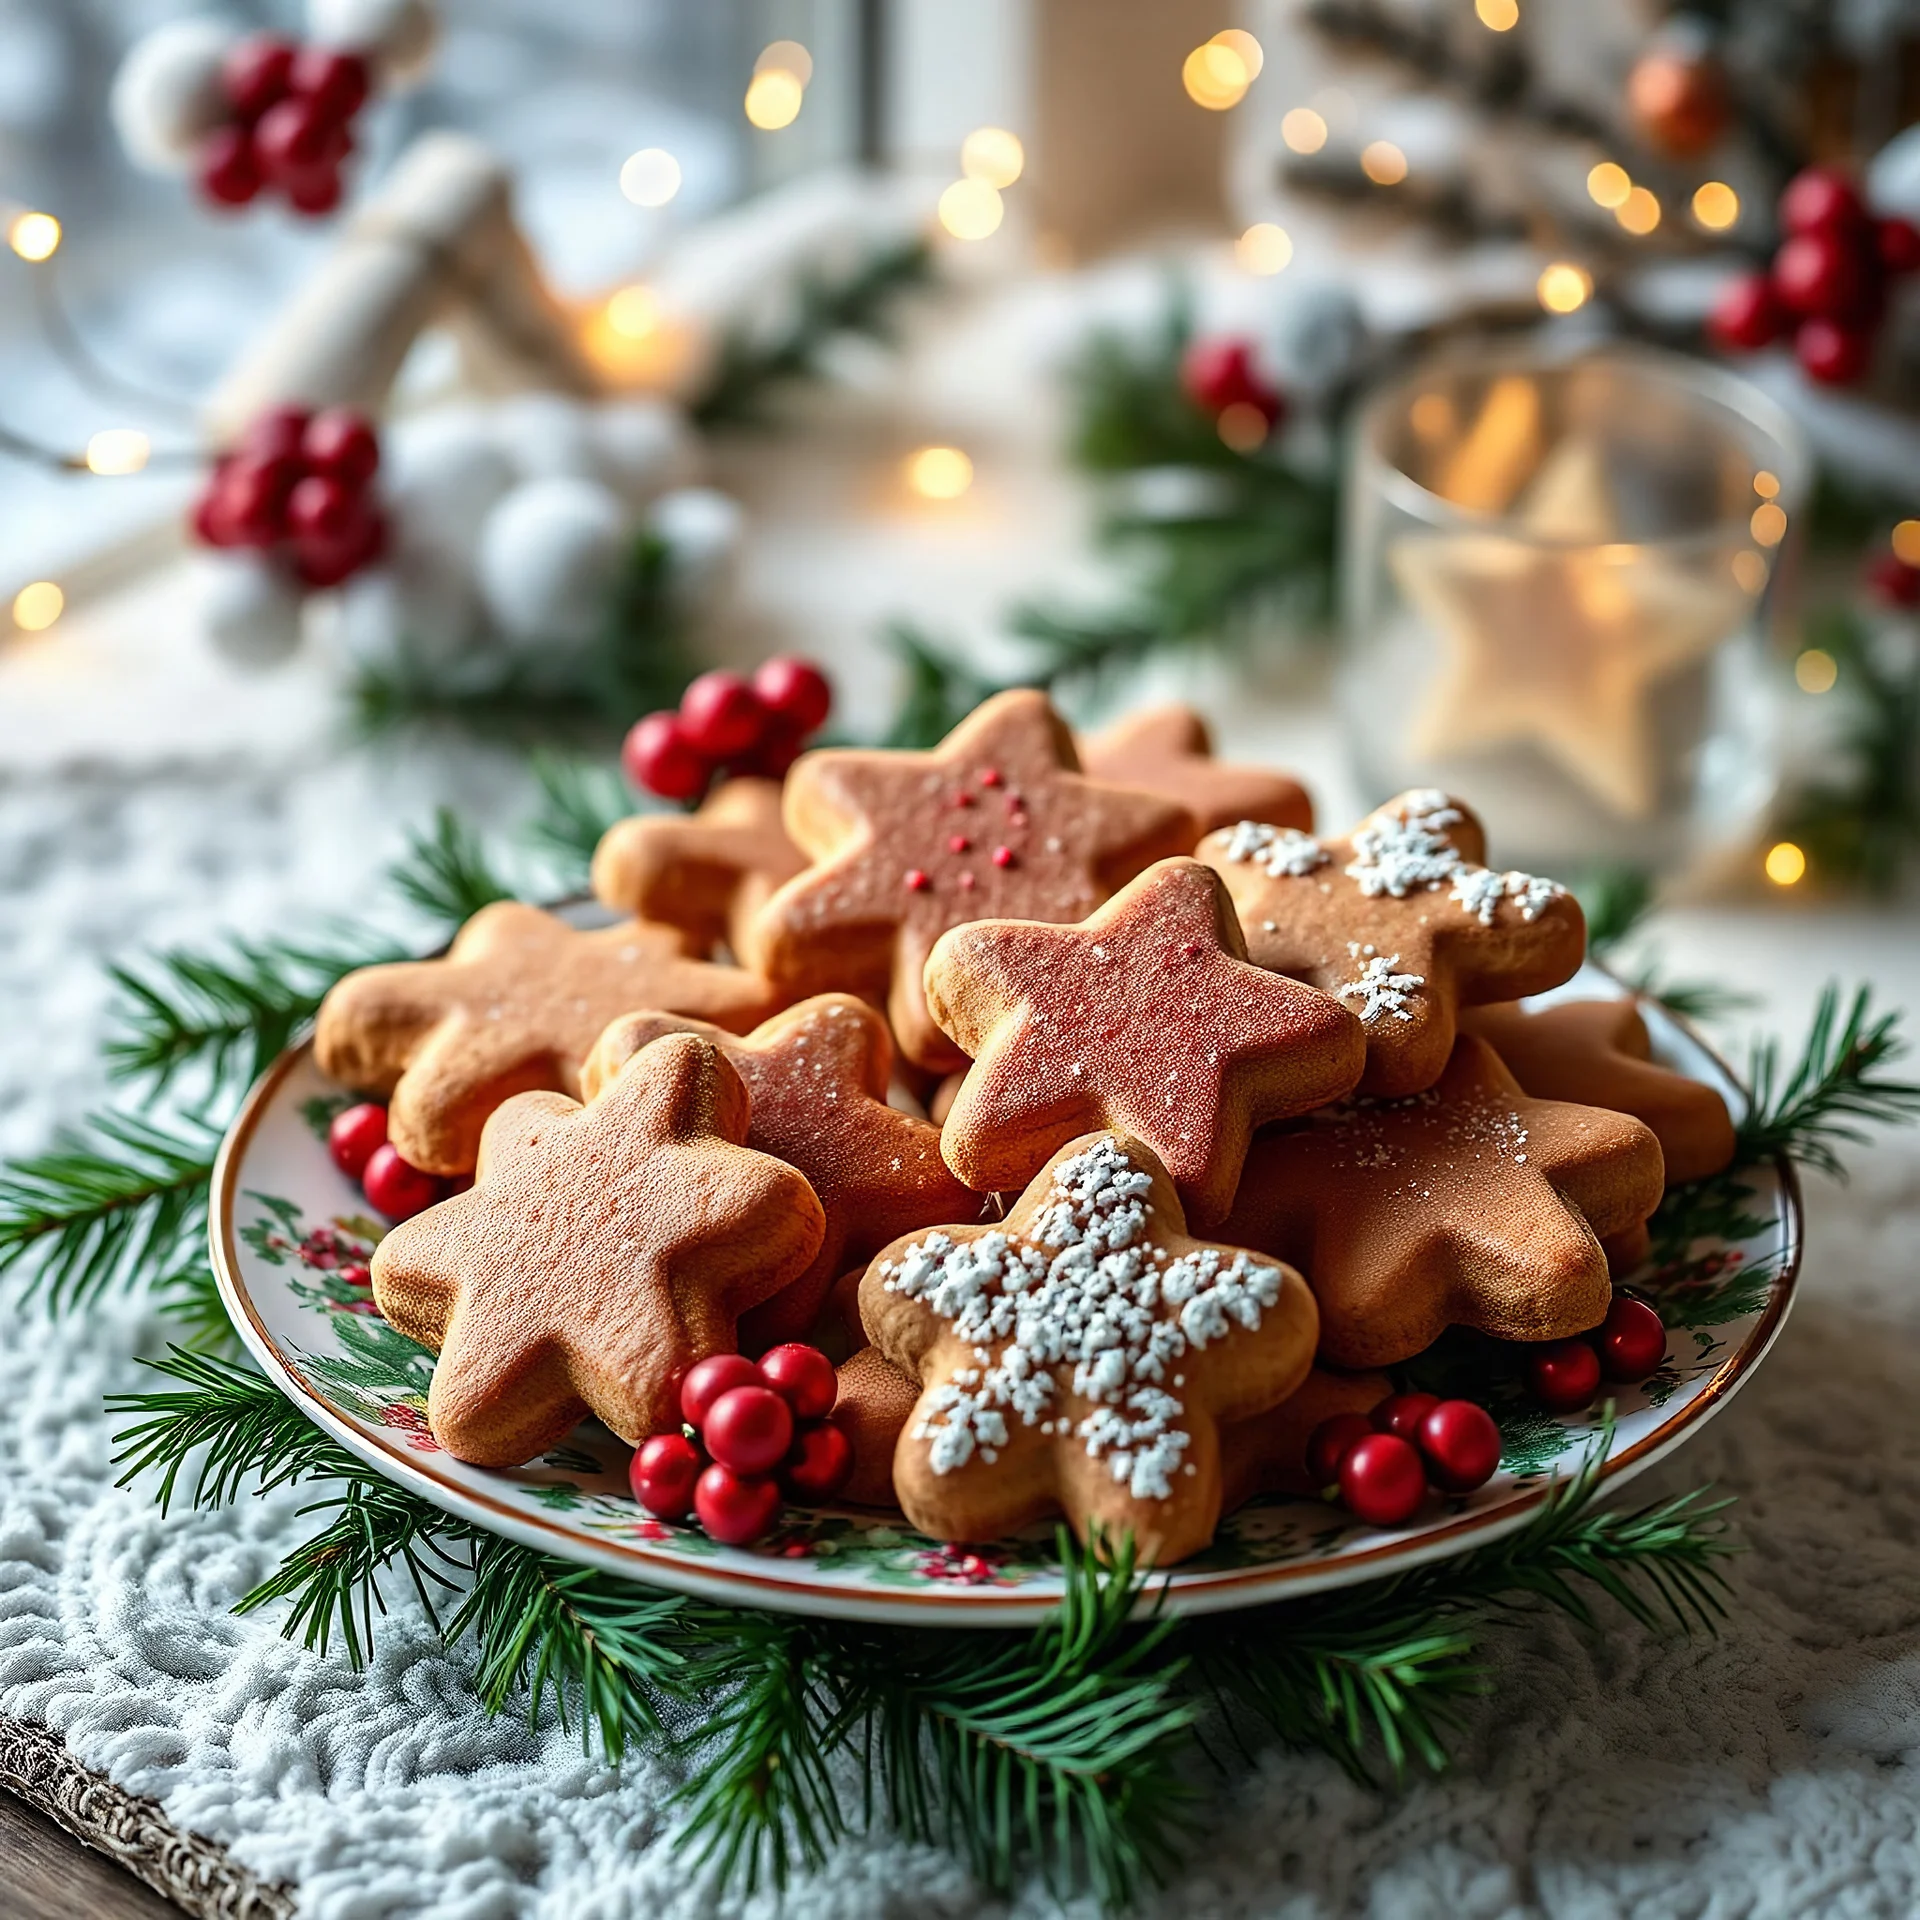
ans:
(118, 450)
(38, 605)
(1564, 287)
(1786, 865)
(1639, 212)
(650, 177)
(633, 312)
(1816, 670)
(994, 155)
(786, 56)
(1383, 163)
(1749, 571)
(1432, 417)
(773, 99)
(1303, 130)
(1905, 542)
(1715, 205)
(34, 236)
(1237, 40)
(1766, 484)
(1242, 426)
(1497, 16)
(1215, 77)
(970, 210)
(1769, 524)
(1608, 185)
(939, 473)
(1264, 248)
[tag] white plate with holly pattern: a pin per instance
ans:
(287, 1224)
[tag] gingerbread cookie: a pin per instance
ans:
(601, 1250)
(1467, 1205)
(817, 1074)
(1169, 750)
(996, 822)
(1402, 922)
(514, 1006)
(1081, 1357)
(876, 1400)
(707, 873)
(1598, 1053)
(1268, 1454)
(1146, 1017)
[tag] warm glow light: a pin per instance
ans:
(1501, 15)
(650, 177)
(1766, 484)
(1264, 248)
(1432, 416)
(939, 473)
(1303, 130)
(773, 99)
(1639, 212)
(1564, 288)
(1749, 571)
(1238, 40)
(1242, 425)
(34, 236)
(994, 155)
(1906, 543)
(1608, 185)
(118, 450)
(633, 313)
(37, 606)
(1215, 77)
(1786, 864)
(786, 56)
(1816, 671)
(1768, 525)
(1383, 163)
(970, 210)
(1715, 205)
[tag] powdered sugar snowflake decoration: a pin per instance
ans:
(1089, 1304)
(1480, 890)
(1279, 852)
(1380, 990)
(1395, 853)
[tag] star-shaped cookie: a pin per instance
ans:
(1598, 1053)
(601, 1249)
(818, 1074)
(1168, 750)
(1081, 1357)
(1467, 1205)
(996, 822)
(1147, 1017)
(515, 1004)
(708, 872)
(1402, 922)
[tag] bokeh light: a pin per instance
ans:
(994, 155)
(1264, 248)
(1303, 130)
(650, 177)
(1608, 185)
(1383, 163)
(1768, 524)
(939, 473)
(1501, 16)
(118, 450)
(1786, 864)
(37, 606)
(773, 99)
(34, 236)
(1816, 670)
(1715, 205)
(1639, 212)
(970, 210)
(1564, 287)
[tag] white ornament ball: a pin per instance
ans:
(549, 555)
(249, 608)
(643, 448)
(417, 608)
(701, 528)
(545, 435)
(166, 97)
(1893, 176)
(442, 473)
(398, 36)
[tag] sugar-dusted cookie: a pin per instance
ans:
(817, 1074)
(1598, 1053)
(1402, 922)
(1081, 1357)
(876, 1400)
(514, 1006)
(601, 1249)
(1268, 1454)
(1467, 1205)
(1168, 750)
(1147, 1017)
(996, 822)
(707, 873)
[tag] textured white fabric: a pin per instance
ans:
(1771, 1772)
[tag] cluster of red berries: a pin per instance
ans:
(1217, 374)
(300, 485)
(1828, 282)
(756, 1432)
(1895, 582)
(728, 724)
(291, 128)
(1380, 1463)
(1627, 1346)
(357, 1140)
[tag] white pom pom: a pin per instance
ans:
(249, 608)
(546, 435)
(701, 527)
(166, 97)
(549, 555)
(643, 448)
(418, 609)
(442, 473)
(398, 36)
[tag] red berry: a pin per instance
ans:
(354, 1135)
(1832, 354)
(251, 497)
(1461, 1443)
(1633, 1340)
(663, 1473)
(1564, 1376)
(1894, 582)
(1383, 1480)
(1402, 1413)
(722, 716)
(314, 190)
(706, 1380)
(796, 690)
(1747, 315)
(817, 1466)
(275, 434)
(321, 508)
(336, 81)
(803, 1377)
(748, 1429)
(254, 74)
(735, 1509)
(1217, 374)
(1824, 273)
(209, 524)
(229, 170)
(780, 746)
(326, 560)
(1330, 1443)
(1819, 200)
(341, 444)
(1898, 244)
(291, 140)
(659, 758)
(394, 1188)
(357, 1275)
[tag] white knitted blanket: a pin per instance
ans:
(1775, 1770)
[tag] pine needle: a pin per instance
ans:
(579, 801)
(445, 871)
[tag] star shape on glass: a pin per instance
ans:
(601, 1250)
(1146, 1017)
(1168, 750)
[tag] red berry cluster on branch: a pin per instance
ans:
(1222, 373)
(1380, 1464)
(755, 1431)
(1828, 283)
(1628, 1345)
(299, 485)
(727, 724)
(357, 1140)
(291, 129)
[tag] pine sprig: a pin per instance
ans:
(446, 873)
(579, 801)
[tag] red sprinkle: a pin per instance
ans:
(917, 881)
(1016, 807)
(1003, 856)
(963, 799)
(966, 883)
(989, 776)
(958, 843)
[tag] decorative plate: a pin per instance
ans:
(288, 1227)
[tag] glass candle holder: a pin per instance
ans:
(1556, 576)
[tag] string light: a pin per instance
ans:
(1242, 426)
(1766, 484)
(1639, 212)
(1500, 16)
(994, 155)
(970, 210)
(1816, 670)
(939, 473)
(1303, 130)
(1215, 77)
(1564, 288)
(1383, 163)
(1608, 185)
(118, 450)
(1749, 571)
(1238, 40)
(786, 56)
(37, 606)
(1715, 205)
(633, 312)
(650, 177)
(773, 99)
(1906, 543)
(1768, 525)
(1264, 248)
(1786, 864)
(34, 236)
